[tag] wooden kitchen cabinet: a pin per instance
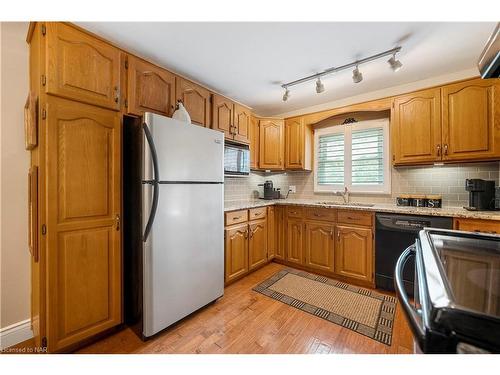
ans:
(196, 100)
(471, 120)
(254, 142)
(319, 245)
(298, 144)
(477, 225)
(257, 243)
(242, 123)
(83, 221)
(271, 232)
(354, 252)
(236, 251)
(294, 240)
(271, 144)
(233, 119)
(81, 67)
(149, 88)
(279, 212)
(223, 116)
(416, 128)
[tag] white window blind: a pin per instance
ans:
(367, 156)
(331, 159)
(353, 156)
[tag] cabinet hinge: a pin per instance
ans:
(44, 342)
(44, 229)
(126, 103)
(392, 104)
(44, 80)
(44, 29)
(44, 113)
(126, 63)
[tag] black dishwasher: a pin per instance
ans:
(393, 234)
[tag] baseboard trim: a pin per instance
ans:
(15, 333)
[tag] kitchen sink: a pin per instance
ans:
(347, 204)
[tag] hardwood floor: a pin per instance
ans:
(244, 321)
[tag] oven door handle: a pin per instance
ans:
(411, 313)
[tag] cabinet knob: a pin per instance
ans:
(445, 149)
(438, 150)
(117, 94)
(117, 221)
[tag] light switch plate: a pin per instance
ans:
(292, 189)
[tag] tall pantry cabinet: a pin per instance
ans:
(73, 128)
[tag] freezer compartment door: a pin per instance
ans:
(185, 152)
(184, 254)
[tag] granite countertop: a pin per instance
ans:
(391, 208)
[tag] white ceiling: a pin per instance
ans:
(249, 61)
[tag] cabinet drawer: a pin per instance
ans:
(355, 217)
(317, 213)
(477, 225)
(294, 211)
(236, 217)
(257, 213)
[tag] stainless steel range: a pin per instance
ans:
(457, 291)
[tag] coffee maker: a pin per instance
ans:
(269, 191)
(481, 194)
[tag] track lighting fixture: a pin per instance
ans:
(395, 64)
(319, 86)
(286, 95)
(357, 77)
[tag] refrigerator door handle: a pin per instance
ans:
(154, 182)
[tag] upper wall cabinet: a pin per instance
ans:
(231, 118)
(271, 145)
(298, 144)
(196, 100)
(149, 88)
(254, 143)
(471, 120)
(223, 115)
(81, 67)
(242, 116)
(416, 127)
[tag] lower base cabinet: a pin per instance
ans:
(354, 252)
(246, 242)
(236, 250)
(319, 245)
(257, 243)
(294, 241)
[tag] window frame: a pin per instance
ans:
(347, 129)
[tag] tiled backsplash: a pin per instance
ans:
(446, 180)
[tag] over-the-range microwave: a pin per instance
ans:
(236, 160)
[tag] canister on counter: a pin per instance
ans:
(434, 201)
(417, 200)
(403, 200)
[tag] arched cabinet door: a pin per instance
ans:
(471, 120)
(271, 144)
(236, 251)
(257, 243)
(196, 100)
(81, 67)
(319, 245)
(354, 252)
(416, 128)
(83, 252)
(149, 88)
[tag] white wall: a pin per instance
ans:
(14, 164)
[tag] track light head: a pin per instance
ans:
(395, 64)
(319, 86)
(286, 95)
(357, 77)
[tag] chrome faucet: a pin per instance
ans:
(344, 194)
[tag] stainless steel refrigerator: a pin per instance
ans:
(173, 206)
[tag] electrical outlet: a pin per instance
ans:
(292, 189)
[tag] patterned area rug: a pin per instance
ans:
(358, 309)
